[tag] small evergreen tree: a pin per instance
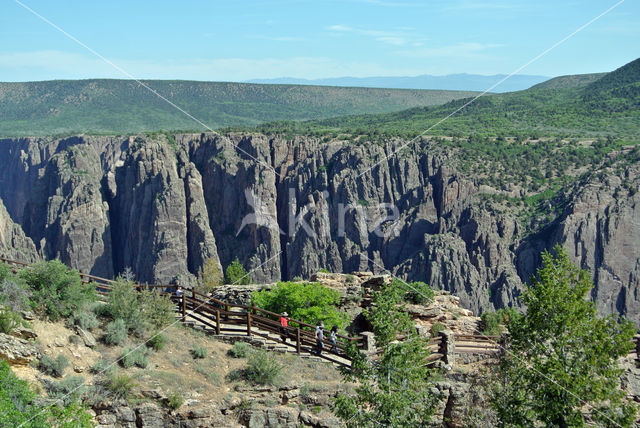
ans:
(236, 274)
(396, 389)
(559, 368)
(210, 276)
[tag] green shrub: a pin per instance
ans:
(69, 389)
(5, 271)
(141, 311)
(310, 302)
(103, 367)
(436, 328)
(262, 368)
(138, 357)
(350, 279)
(122, 303)
(157, 341)
(198, 352)
(240, 350)
(236, 274)
(418, 293)
(56, 290)
(157, 309)
(175, 400)
(116, 332)
(495, 322)
(14, 295)
(53, 367)
(120, 385)
(84, 319)
(9, 320)
(19, 407)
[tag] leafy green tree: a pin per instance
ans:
(236, 274)
(559, 368)
(387, 314)
(396, 389)
(57, 291)
(310, 302)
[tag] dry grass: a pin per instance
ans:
(173, 369)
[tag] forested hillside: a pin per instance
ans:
(124, 106)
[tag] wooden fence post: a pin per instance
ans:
(184, 307)
(248, 323)
(218, 322)
(298, 344)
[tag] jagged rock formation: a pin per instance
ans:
(14, 243)
(163, 205)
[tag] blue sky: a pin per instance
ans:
(241, 40)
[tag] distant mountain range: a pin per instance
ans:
(599, 104)
(460, 82)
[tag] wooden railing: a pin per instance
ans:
(477, 344)
(220, 315)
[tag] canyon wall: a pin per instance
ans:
(290, 207)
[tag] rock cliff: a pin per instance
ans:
(287, 207)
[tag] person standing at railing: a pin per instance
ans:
(284, 326)
(333, 337)
(319, 337)
(179, 294)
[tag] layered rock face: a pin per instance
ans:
(291, 207)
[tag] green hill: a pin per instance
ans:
(124, 106)
(607, 106)
(570, 81)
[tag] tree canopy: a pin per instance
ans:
(560, 362)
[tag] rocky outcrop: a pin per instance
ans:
(601, 232)
(17, 351)
(287, 208)
(14, 244)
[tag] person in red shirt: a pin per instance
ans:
(284, 326)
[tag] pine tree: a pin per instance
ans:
(560, 362)
(236, 274)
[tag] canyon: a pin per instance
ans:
(288, 207)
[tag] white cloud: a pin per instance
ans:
(47, 65)
(398, 37)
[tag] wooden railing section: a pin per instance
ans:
(219, 316)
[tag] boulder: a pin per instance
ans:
(87, 337)
(17, 351)
(24, 333)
